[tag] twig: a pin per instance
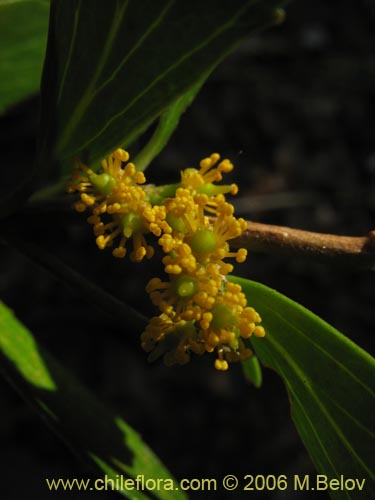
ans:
(358, 251)
(354, 251)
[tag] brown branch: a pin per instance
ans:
(357, 251)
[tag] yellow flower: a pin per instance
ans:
(227, 325)
(200, 311)
(112, 185)
(221, 326)
(196, 238)
(200, 181)
(187, 296)
(170, 339)
(119, 205)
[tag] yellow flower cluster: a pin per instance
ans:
(200, 311)
(118, 204)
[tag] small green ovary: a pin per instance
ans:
(203, 241)
(176, 223)
(185, 287)
(103, 183)
(131, 223)
(222, 316)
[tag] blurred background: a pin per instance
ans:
(292, 108)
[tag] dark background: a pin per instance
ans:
(292, 108)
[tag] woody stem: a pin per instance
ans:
(351, 250)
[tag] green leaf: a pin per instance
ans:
(23, 38)
(330, 384)
(98, 437)
(113, 67)
(253, 371)
(168, 122)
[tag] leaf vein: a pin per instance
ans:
(161, 76)
(312, 426)
(70, 52)
(86, 98)
(317, 346)
(303, 376)
(135, 47)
